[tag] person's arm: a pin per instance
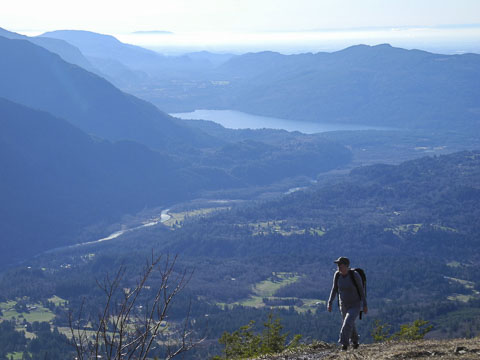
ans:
(333, 293)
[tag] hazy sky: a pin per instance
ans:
(252, 25)
(116, 16)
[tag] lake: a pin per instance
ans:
(239, 120)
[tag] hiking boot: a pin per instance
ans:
(344, 348)
(356, 345)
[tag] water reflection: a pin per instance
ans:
(239, 120)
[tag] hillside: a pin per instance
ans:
(380, 207)
(253, 258)
(39, 79)
(65, 184)
(424, 349)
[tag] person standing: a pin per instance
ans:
(352, 300)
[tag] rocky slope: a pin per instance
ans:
(424, 349)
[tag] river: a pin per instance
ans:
(232, 119)
(152, 222)
(162, 218)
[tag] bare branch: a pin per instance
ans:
(126, 330)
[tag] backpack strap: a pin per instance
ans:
(337, 275)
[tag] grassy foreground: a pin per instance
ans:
(421, 349)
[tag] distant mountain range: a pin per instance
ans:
(111, 69)
(65, 50)
(106, 46)
(98, 47)
(371, 85)
(378, 85)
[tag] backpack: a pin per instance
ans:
(360, 272)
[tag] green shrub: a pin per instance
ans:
(244, 343)
(414, 331)
(381, 331)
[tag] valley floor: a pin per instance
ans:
(423, 349)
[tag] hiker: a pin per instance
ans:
(352, 300)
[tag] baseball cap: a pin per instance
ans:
(342, 260)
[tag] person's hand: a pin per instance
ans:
(329, 308)
(365, 310)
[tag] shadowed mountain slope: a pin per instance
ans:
(35, 77)
(56, 181)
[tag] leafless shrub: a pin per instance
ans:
(131, 328)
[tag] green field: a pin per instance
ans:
(281, 227)
(406, 228)
(58, 301)
(445, 228)
(15, 356)
(266, 290)
(454, 264)
(414, 228)
(177, 218)
(463, 297)
(467, 284)
(34, 312)
(278, 280)
(91, 333)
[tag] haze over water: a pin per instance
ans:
(446, 39)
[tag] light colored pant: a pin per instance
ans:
(348, 330)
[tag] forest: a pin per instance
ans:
(410, 226)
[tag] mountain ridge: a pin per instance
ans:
(65, 50)
(97, 45)
(85, 99)
(368, 85)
